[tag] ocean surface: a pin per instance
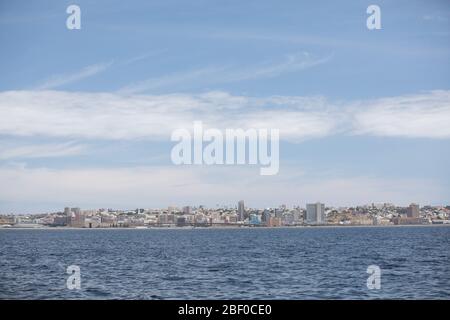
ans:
(246, 263)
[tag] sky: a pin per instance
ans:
(86, 115)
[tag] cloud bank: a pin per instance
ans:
(116, 116)
(160, 186)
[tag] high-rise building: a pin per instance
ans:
(78, 218)
(315, 213)
(241, 210)
(187, 210)
(266, 215)
(413, 211)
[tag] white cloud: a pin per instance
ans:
(422, 115)
(56, 81)
(115, 116)
(166, 185)
(42, 151)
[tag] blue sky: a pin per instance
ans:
(86, 115)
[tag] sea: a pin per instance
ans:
(226, 263)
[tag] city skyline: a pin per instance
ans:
(412, 208)
(86, 115)
(315, 214)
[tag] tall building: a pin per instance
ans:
(187, 210)
(413, 211)
(315, 213)
(266, 215)
(78, 219)
(241, 210)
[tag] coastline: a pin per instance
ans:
(226, 227)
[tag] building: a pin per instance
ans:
(92, 222)
(413, 211)
(274, 222)
(67, 212)
(241, 210)
(7, 220)
(78, 218)
(407, 221)
(315, 213)
(187, 210)
(61, 221)
(379, 221)
(255, 219)
(266, 215)
(108, 221)
(163, 219)
(181, 221)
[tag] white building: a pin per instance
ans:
(315, 213)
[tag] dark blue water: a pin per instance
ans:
(300, 263)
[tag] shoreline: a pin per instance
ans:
(227, 227)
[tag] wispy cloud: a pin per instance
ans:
(57, 81)
(335, 43)
(42, 151)
(291, 63)
(142, 56)
(435, 17)
(228, 74)
(171, 80)
(115, 116)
